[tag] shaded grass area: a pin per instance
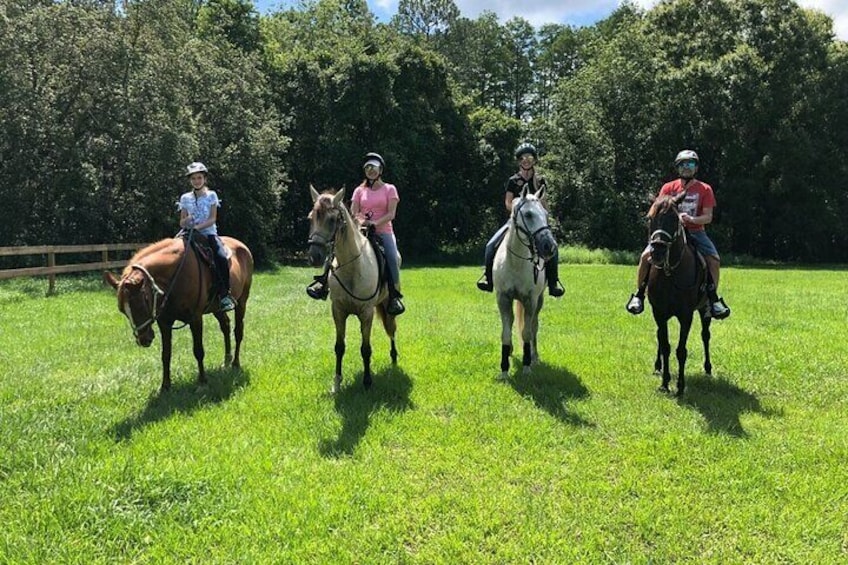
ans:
(581, 461)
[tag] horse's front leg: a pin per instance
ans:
(663, 351)
(705, 337)
(340, 320)
(507, 318)
(224, 324)
(165, 330)
(196, 326)
(682, 352)
(528, 334)
(366, 320)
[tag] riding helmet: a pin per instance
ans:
(686, 155)
(525, 148)
(196, 167)
(374, 159)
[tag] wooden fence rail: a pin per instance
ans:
(52, 269)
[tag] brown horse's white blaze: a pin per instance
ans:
(676, 289)
(518, 275)
(166, 282)
(355, 284)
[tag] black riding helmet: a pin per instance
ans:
(525, 148)
(371, 157)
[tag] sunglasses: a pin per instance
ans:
(371, 167)
(690, 164)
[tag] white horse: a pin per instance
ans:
(357, 285)
(519, 275)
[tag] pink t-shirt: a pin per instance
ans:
(699, 195)
(374, 204)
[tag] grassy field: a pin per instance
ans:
(583, 461)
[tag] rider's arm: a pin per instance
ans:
(703, 219)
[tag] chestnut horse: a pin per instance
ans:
(167, 282)
(676, 288)
(518, 275)
(356, 282)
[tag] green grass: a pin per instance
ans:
(583, 461)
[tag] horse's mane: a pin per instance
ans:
(147, 251)
(324, 204)
(661, 205)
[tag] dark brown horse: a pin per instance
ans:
(168, 282)
(676, 288)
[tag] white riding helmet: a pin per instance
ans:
(686, 155)
(196, 167)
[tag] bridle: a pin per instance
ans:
(522, 228)
(663, 238)
(156, 292)
(316, 238)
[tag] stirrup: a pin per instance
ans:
(318, 289)
(635, 305)
(227, 303)
(723, 309)
(484, 284)
(556, 290)
(395, 307)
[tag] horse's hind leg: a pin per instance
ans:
(196, 326)
(663, 352)
(705, 337)
(365, 322)
(224, 324)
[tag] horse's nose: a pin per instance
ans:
(316, 255)
(547, 247)
(145, 339)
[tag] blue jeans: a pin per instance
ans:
(222, 266)
(703, 243)
(390, 247)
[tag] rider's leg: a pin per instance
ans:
(485, 282)
(222, 269)
(636, 304)
(718, 309)
(555, 287)
(395, 307)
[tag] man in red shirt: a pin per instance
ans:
(696, 211)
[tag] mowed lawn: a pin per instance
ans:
(582, 461)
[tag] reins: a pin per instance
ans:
(331, 243)
(530, 244)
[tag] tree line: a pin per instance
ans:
(103, 103)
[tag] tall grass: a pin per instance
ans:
(582, 461)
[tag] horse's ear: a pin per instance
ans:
(110, 279)
(541, 192)
(338, 196)
(523, 191)
(314, 194)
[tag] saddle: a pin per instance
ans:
(702, 261)
(200, 244)
(370, 234)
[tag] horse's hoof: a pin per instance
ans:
(337, 385)
(527, 370)
(504, 376)
(366, 383)
(678, 394)
(663, 389)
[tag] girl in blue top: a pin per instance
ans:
(199, 210)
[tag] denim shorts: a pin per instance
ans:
(703, 243)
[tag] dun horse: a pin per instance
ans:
(519, 275)
(168, 282)
(356, 281)
(676, 288)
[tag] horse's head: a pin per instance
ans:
(139, 300)
(665, 227)
(531, 220)
(325, 221)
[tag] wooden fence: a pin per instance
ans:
(52, 269)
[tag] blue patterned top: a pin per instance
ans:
(199, 208)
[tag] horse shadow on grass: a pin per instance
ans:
(551, 389)
(721, 404)
(184, 397)
(390, 391)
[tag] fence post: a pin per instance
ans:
(51, 262)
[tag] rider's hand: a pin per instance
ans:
(686, 218)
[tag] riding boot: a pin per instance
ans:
(555, 287)
(222, 271)
(319, 289)
(395, 307)
(485, 282)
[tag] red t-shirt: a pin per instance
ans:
(699, 195)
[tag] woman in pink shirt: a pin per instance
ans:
(374, 204)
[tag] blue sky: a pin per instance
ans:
(572, 12)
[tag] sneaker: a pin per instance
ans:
(395, 307)
(485, 284)
(635, 306)
(719, 310)
(317, 290)
(556, 290)
(227, 304)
